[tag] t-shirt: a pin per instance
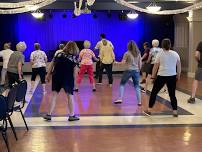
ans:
(133, 63)
(199, 48)
(15, 58)
(5, 54)
(64, 66)
(146, 51)
(58, 51)
(107, 55)
(86, 56)
(168, 62)
(100, 44)
(154, 51)
(38, 58)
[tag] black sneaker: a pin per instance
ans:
(47, 117)
(191, 100)
(94, 90)
(175, 115)
(76, 90)
(73, 118)
(147, 113)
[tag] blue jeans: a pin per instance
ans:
(135, 75)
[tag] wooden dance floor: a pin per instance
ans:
(105, 127)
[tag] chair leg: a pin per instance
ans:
(24, 119)
(4, 135)
(12, 127)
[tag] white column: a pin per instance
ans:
(195, 36)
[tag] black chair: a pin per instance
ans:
(3, 116)
(20, 97)
(10, 101)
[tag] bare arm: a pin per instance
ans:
(20, 70)
(178, 69)
(113, 55)
(140, 63)
(94, 58)
(149, 58)
(50, 69)
(197, 56)
(46, 59)
(155, 69)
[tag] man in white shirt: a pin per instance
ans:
(5, 54)
(98, 47)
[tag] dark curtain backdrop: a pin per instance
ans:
(49, 32)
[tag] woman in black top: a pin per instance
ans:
(198, 73)
(62, 68)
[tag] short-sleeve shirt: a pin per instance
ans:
(154, 51)
(58, 51)
(5, 54)
(107, 55)
(15, 58)
(64, 66)
(199, 48)
(168, 62)
(133, 63)
(146, 51)
(86, 56)
(99, 45)
(38, 58)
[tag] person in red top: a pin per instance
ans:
(86, 57)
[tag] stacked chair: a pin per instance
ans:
(3, 116)
(16, 94)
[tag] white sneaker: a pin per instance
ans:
(110, 85)
(119, 101)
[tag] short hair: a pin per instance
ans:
(155, 43)
(37, 46)
(166, 44)
(103, 35)
(6, 46)
(86, 44)
(61, 46)
(21, 46)
(71, 48)
(146, 44)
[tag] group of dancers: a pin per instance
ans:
(68, 66)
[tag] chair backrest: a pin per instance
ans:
(21, 91)
(3, 107)
(11, 97)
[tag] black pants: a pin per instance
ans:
(108, 68)
(12, 78)
(160, 81)
(97, 69)
(39, 71)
